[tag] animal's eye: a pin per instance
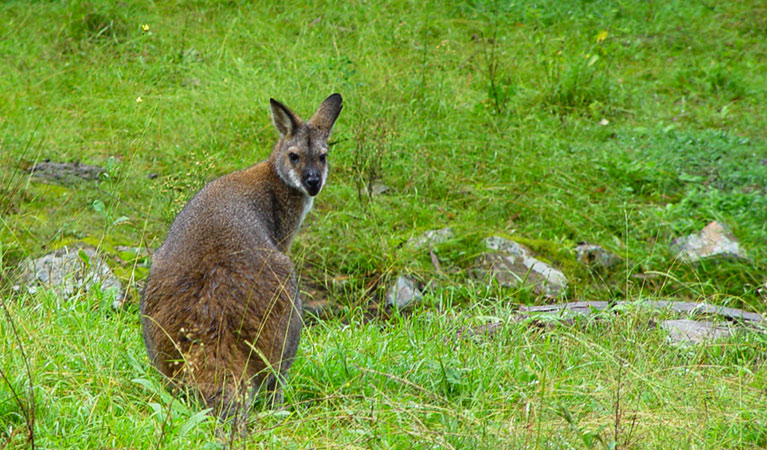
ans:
(293, 157)
(323, 157)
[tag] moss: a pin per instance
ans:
(37, 190)
(558, 254)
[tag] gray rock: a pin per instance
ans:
(751, 318)
(66, 173)
(504, 245)
(378, 188)
(686, 331)
(511, 264)
(403, 293)
(595, 256)
(68, 270)
(432, 238)
(713, 240)
(192, 82)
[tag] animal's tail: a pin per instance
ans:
(225, 400)
(223, 391)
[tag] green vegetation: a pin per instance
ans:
(624, 124)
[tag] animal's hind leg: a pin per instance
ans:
(274, 396)
(284, 330)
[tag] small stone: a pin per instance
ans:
(403, 293)
(512, 264)
(378, 188)
(432, 238)
(578, 308)
(70, 269)
(686, 331)
(192, 82)
(504, 245)
(712, 241)
(595, 256)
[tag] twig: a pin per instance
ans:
(616, 431)
(29, 411)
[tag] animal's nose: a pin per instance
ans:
(313, 181)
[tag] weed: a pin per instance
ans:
(98, 20)
(576, 84)
(24, 401)
(371, 148)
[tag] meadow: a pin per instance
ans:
(624, 124)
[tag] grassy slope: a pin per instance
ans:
(479, 116)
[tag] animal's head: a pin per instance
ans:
(300, 156)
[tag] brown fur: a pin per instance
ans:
(221, 310)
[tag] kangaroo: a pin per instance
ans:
(221, 310)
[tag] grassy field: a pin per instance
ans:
(624, 124)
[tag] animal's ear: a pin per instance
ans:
(327, 114)
(284, 119)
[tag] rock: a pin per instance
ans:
(686, 331)
(595, 256)
(191, 82)
(66, 173)
(403, 293)
(487, 329)
(579, 308)
(378, 188)
(70, 269)
(432, 238)
(683, 331)
(751, 318)
(511, 264)
(713, 240)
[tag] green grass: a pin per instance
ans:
(409, 383)
(625, 124)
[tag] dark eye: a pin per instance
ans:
(323, 157)
(293, 157)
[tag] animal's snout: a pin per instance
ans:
(312, 182)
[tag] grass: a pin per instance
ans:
(621, 124)
(409, 383)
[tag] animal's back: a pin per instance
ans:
(221, 305)
(221, 308)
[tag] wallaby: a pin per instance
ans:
(221, 308)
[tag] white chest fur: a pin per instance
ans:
(308, 202)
